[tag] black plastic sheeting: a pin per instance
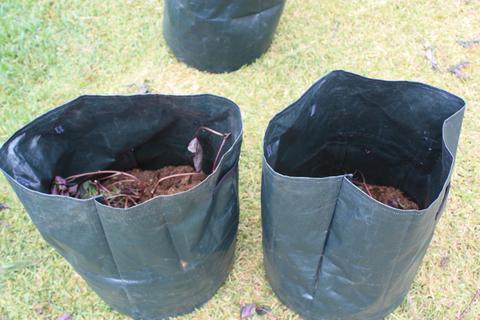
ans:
(220, 35)
(163, 257)
(330, 251)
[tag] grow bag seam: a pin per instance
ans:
(172, 240)
(399, 250)
(230, 172)
(443, 205)
(322, 255)
(127, 295)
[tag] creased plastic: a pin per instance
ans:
(163, 257)
(330, 251)
(220, 35)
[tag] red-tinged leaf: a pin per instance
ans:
(72, 190)
(195, 147)
(59, 180)
(61, 187)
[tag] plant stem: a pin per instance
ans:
(114, 172)
(101, 187)
(121, 181)
(211, 131)
(225, 137)
(461, 316)
(364, 183)
(172, 176)
(131, 199)
(121, 195)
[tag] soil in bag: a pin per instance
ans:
(151, 183)
(388, 195)
(165, 181)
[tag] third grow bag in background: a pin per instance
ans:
(220, 35)
(331, 251)
(163, 257)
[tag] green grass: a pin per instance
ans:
(53, 51)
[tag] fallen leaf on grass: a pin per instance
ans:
(336, 26)
(250, 309)
(444, 262)
(262, 310)
(5, 224)
(467, 44)
(457, 70)
(247, 310)
(430, 56)
(142, 88)
(65, 316)
(39, 308)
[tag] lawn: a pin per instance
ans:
(53, 51)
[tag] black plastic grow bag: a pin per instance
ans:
(163, 257)
(331, 251)
(220, 35)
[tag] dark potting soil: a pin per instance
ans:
(151, 183)
(390, 196)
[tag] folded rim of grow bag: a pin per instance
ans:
(397, 133)
(220, 35)
(118, 132)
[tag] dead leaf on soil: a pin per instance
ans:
(195, 147)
